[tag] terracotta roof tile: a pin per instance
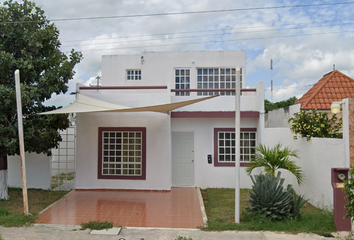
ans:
(333, 86)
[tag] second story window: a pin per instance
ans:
(217, 78)
(182, 80)
(133, 74)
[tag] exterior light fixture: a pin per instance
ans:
(335, 107)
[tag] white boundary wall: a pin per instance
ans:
(279, 117)
(317, 158)
(37, 171)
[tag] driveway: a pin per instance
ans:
(178, 208)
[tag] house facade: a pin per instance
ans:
(189, 146)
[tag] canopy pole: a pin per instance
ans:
(21, 141)
(237, 146)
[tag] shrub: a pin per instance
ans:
(269, 199)
(310, 124)
(348, 189)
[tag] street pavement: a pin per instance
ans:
(56, 232)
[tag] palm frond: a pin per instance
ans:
(276, 158)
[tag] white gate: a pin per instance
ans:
(63, 161)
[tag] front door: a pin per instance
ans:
(182, 159)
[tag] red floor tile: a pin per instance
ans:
(178, 208)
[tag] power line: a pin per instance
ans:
(218, 41)
(289, 87)
(184, 13)
(205, 35)
(215, 30)
(200, 12)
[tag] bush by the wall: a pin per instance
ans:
(308, 124)
(349, 190)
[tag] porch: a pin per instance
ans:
(178, 208)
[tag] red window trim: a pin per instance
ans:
(251, 114)
(216, 162)
(143, 160)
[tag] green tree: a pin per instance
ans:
(276, 158)
(30, 43)
(268, 106)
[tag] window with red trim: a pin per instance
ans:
(224, 146)
(122, 153)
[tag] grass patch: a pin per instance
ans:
(220, 208)
(93, 225)
(11, 211)
(62, 178)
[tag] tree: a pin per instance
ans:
(276, 158)
(30, 43)
(268, 106)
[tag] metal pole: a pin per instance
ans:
(237, 146)
(22, 146)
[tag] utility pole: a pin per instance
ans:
(22, 145)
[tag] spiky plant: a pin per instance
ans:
(298, 203)
(268, 197)
(276, 158)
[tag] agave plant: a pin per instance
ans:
(268, 197)
(298, 203)
(276, 158)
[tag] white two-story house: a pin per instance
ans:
(189, 146)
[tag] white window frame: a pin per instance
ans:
(122, 153)
(224, 149)
(182, 80)
(217, 78)
(133, 74)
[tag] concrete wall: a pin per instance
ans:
(279, 117)
(317, 158)
(37, 171)
(207, 175)
(157, 68)
(158, 155)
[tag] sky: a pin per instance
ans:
(305, 39)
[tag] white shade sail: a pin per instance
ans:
(85, 104)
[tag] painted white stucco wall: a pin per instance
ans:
(249, 101)
(207, 175)
(158, 155)
(317, 158)
(37, 170)
(157, 68)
